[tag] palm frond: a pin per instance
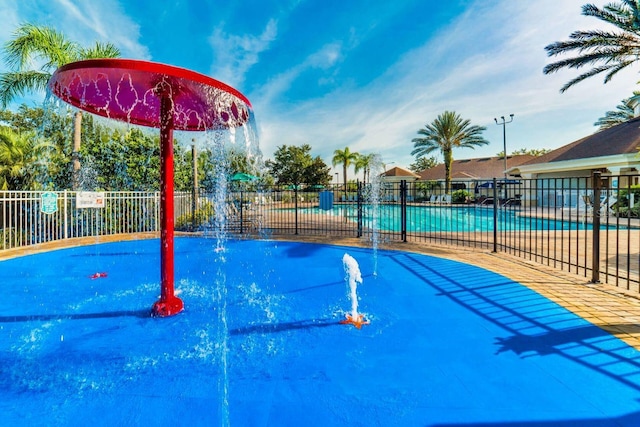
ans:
(612, 13)
(606, 51)
(35, 52)
(623, 113)
(447, 131)
(594, 44)
(32, 42)
(14, 84)
(100, 50)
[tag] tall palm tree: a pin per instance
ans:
(364, 163)
(33, 44)
(19, 155)
(604, 51)
(623, 113)
(446, 132)
(346, 158)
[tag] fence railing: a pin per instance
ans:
(585, 225)
(33, 217)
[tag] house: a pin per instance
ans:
(476, 175)
(391, 178)
(466, 173)
(397, 174)
(613, 152)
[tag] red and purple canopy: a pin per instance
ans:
(130, 90)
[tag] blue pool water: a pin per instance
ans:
(448, 219)
(448, 344)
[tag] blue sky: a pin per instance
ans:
(366, 74)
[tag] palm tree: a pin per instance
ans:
(446, 132)
(19, 155)
(346, 158)
(604, 51)
(32, 44)
(364, 163)
(623, 113)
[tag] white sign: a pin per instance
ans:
(89, 199)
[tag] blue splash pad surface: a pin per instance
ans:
(448, 344)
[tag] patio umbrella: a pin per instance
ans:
(244, 177)
(486, 184)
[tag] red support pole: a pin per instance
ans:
(169, 304)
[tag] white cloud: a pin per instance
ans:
(236, 54)
(326, 57)
(104, 21)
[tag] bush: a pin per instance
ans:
(460, 196)
(202, 215)
(626, 212)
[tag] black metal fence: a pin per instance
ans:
(585, 225)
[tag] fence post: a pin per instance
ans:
(64, 212)
(359, 204)
(595, 232)
(495, 215)
(403, 210)
(157, 211)
(295, 204)
(241, 212)
(194, 189)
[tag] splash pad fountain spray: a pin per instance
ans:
(160, 96)
(353, 277)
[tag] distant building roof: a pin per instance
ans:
(621, 139)
(480, 168)
(396, 171)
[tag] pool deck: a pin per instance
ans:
(613, 309)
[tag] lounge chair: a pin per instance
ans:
(243, 219)
(607, 201)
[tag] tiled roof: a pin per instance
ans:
(396, 171)
(481, 168)
(621, 139)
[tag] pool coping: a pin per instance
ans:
(609, 307)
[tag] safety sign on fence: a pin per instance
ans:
(89, 199)
(49, 202)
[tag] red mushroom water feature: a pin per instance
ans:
(155, 95)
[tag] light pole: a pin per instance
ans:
(504, 138)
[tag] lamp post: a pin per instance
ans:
(504, 138)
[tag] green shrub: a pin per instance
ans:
(202, 216)
(460, 196)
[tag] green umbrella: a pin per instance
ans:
(241, 176)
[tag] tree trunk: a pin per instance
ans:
(344, 176)
(448, 161)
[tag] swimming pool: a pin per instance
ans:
(448, 344)
(447, 218)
